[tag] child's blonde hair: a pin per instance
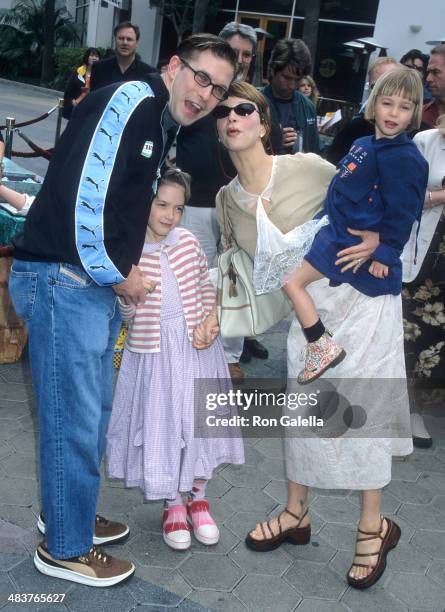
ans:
(176, 176)
(403, 82)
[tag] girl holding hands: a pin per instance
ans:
(153, 439)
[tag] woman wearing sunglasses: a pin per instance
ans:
(291, 189)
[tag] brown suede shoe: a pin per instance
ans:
(94, 568)
(105, 532)
(236, 373)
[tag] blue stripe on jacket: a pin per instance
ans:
(95, 178)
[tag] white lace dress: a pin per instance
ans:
(277, 255)
(372, 377)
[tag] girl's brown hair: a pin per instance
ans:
(241, 89)
(403, 82)
(176, 176)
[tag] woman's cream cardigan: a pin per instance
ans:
(299, 189)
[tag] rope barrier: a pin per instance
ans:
(37, 151)
(31, 121)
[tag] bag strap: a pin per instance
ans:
(228, 237)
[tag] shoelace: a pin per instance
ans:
(95, 554)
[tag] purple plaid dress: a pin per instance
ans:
(150, 441)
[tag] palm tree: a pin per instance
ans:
(22, 35)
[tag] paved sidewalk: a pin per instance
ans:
(229, 576)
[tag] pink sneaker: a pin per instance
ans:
(205, 529)
(175, 530)
(322, 354)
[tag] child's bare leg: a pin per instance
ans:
(296, 290)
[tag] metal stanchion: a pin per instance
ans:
(9, 133)
(59, 121)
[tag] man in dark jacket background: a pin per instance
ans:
(125, 65)
(294, 120)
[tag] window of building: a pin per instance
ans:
(81, 19)
(343, 10)
(338, 70)
(276, 7)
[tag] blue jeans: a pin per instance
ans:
(73, 324)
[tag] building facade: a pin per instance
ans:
(339, 70)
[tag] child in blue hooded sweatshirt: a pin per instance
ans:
(380, 186)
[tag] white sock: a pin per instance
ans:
(177, 501)
(199, 489)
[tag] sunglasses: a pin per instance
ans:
(243, 110)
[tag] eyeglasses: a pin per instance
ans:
(243, 110)
(414, 67)
(203, 79)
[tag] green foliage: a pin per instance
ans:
(22, 36)
(67, 59)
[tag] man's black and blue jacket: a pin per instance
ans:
(92, 209)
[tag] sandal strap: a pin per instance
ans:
(373, 533)
(366, 554)
(272, 535)
(374, 537)
(263, 532)
(360, 565)
(299, 519)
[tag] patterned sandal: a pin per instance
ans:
(293, 535)
(389, 541)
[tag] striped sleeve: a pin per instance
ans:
(127, 310)
(207, 288)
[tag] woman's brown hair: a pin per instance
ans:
(176, 176)
(241, 89)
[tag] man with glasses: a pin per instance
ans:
(294, 113)
(243, 40)
(199, 153)
(417, 60)
(82, 242)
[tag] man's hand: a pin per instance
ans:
(132, 290)
(353, 257)
(378, 269)
(149, 285)
(289, 137)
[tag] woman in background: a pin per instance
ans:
(424, 290)
(78, 85)
(308, 87)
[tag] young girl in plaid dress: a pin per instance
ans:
(159, 405)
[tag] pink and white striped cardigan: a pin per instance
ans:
(189, 265)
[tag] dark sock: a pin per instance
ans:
(314, 332)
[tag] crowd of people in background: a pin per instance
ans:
(240, 150)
